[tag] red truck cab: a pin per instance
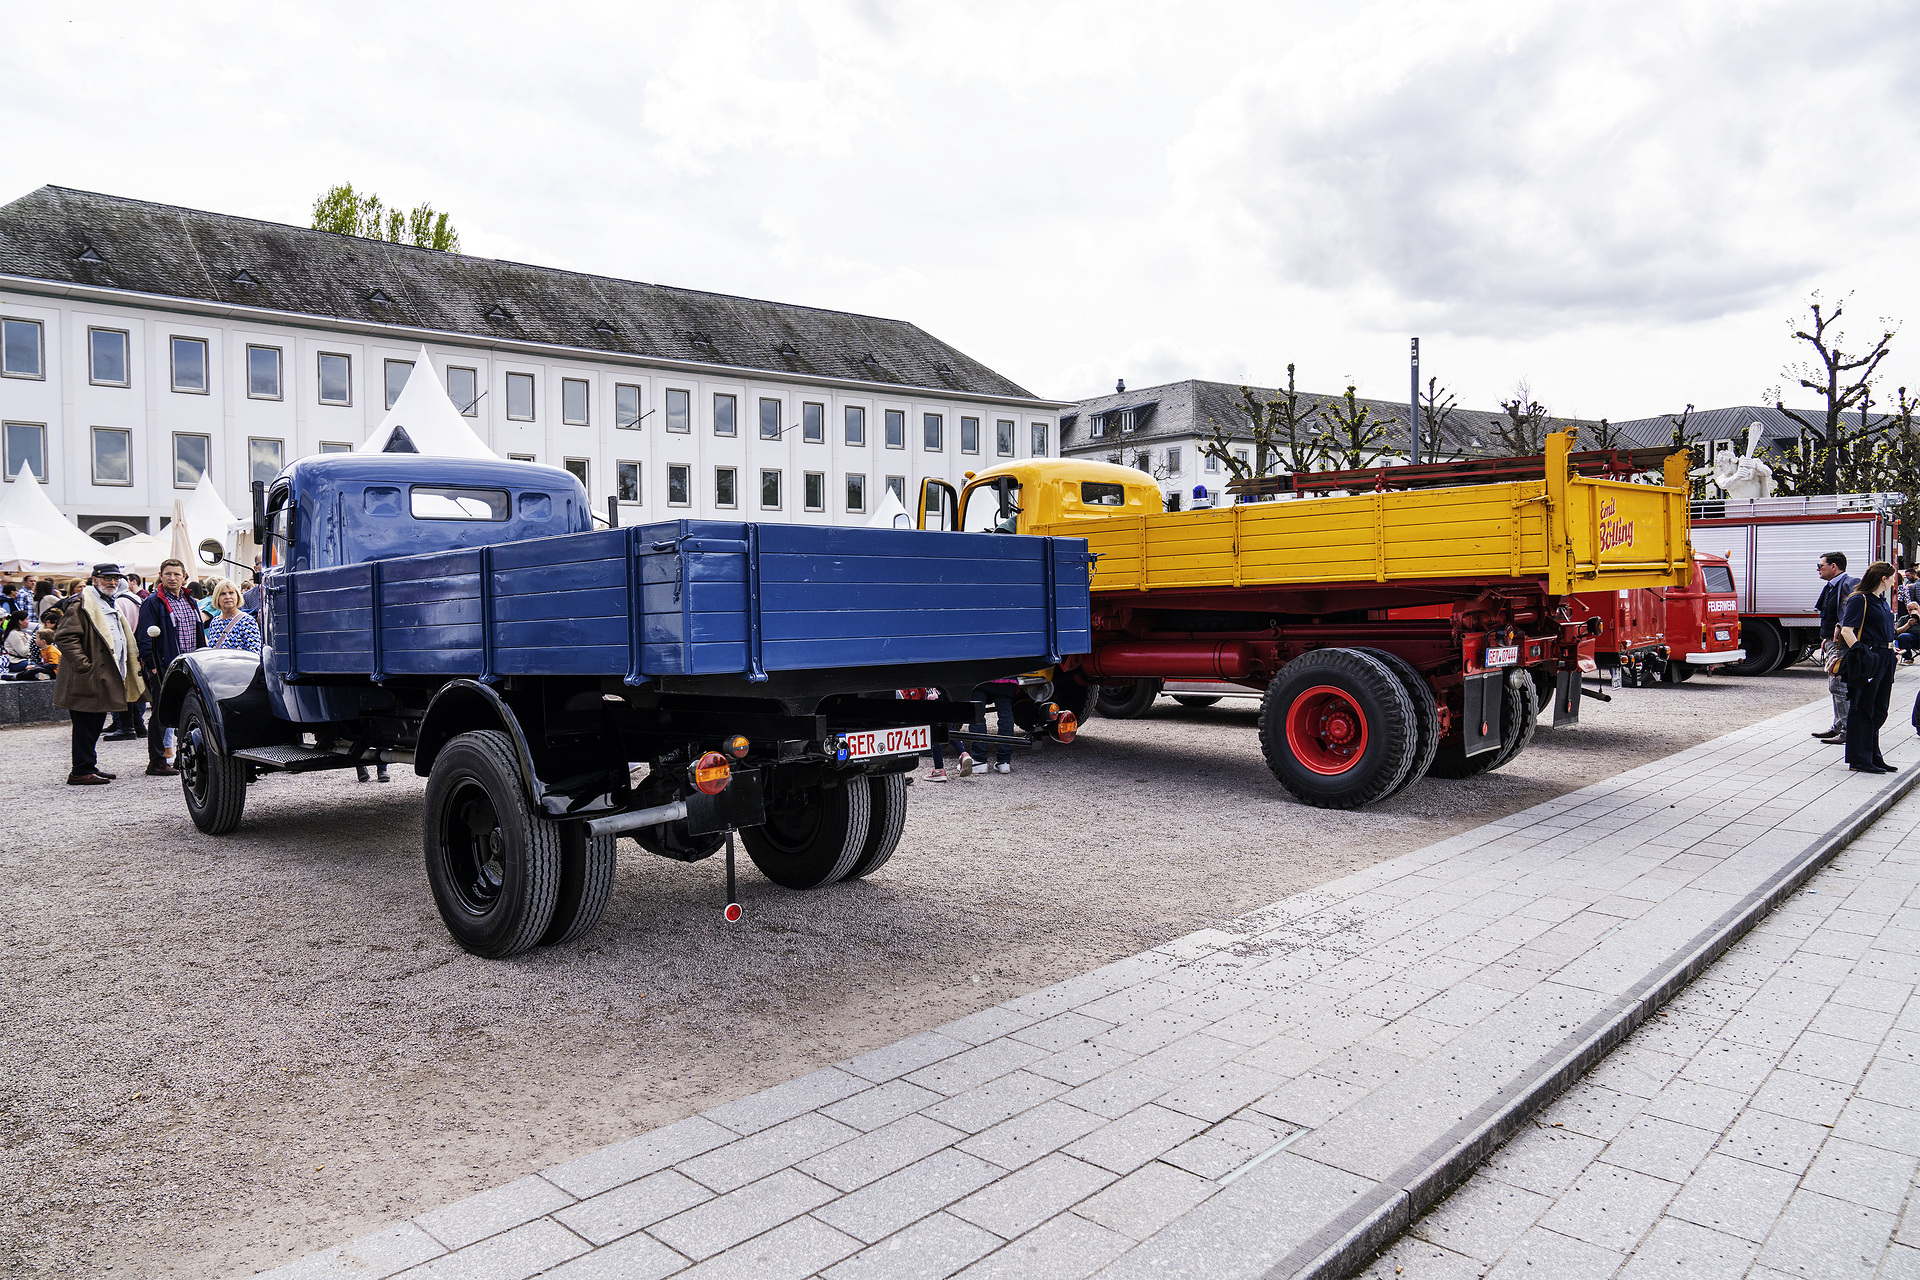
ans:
(1666, 633)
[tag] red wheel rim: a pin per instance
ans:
(1326, 730)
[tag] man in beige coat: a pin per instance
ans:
(99, 671)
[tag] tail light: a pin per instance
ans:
(711, 773)
(736, 746)
(1064, 726)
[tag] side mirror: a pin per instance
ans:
(211, 553)
(260, 513)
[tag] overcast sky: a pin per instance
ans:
(1622, 203)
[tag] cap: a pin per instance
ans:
(108, 571)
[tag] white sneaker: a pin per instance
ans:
(938, 775)
(1003, 767)
(966, 765)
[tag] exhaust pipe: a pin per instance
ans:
(658, 815)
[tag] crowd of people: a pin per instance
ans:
(1868, 625)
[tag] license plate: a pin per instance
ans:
(867, 743)
(1723, 635)
(1502, 657)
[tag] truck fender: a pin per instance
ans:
(233, 688)
(464, 706)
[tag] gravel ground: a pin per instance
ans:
(222, 1054)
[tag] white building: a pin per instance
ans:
(143, 344)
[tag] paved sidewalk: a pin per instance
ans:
(1765, 1124)
(1279, 1098)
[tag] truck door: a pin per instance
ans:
(939, 507)
(276, 581)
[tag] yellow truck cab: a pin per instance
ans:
(1018, 497)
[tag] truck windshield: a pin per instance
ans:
(992, 508)
(438, 502)
(1718, 577)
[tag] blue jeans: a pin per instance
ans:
(1002, 698)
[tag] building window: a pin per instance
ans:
(190, 454)
(896, 429)
(897, 486)
(336, 379)
(264, 459)
(1039, 439)
(679, 482)
(769, 419)
(1241, 454)
(340, 446)
(726, 415)
(398, 371)
(27, 447)
(933, 430)
(1003, 437)
(856, 425)
(769, 490)
(522, 457)
(463, 388)
(813, 423)
(263, 373)
(1173, 462)
(1143, 461)
(190, 365)
(724, 479)
(626, 406)
(627, 481)
(969, 435)
(113, 455)
(519, 396)
(107, 357)
(856, 493)
(679, 410)
(573, 401)
(1126, 420)
(1212, 463)
(816, 494)
(577, 468)
(20, 343)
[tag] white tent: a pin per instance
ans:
(36, 538)
(141, 554)
(207, 516)
(423, 420)
(890, 514)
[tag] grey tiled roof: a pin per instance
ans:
(79, 237)
(1731, 424)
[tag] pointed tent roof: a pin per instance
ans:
(423, 420)
(36, 538)
(207, 516)
(890, 514)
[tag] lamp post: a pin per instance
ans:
(1413, 406)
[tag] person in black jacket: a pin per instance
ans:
(170, 624)
(1866, 627)
(1832, 568)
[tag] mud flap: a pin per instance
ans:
(1481, 712)
(1566, 698)
(742, 804)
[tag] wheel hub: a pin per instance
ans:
(1327, 730)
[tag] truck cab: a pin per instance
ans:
(1019, 497)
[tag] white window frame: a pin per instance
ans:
(639, 481)
(813, 422)
(732, 399)
(779, 489)
(523, 457)
(809, 481)
(897, 486)
(173, 365)
(472, 408)
(779, 414)
(93, 456)
(1003, 440)
(861, 476)
(639, 406)
(320, 373)
(686, 483)
(936, 425)
(335, 446)
(854, 416)
(733, 476)
(967, 420)
(886, 427)
(126, 357)
(1212, 464)
(279, 372)
(686, 415)
(388, 395)
(178, 436)
(6, 449)
(253, 440)
(533, 397)
(39, 348)
(586, 402)
(1039, 439)
(586, 465)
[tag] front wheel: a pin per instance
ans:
(1127, 701)
(1338, 729)
(586, 883)
(494, 865)
(213, 782)
(813, 835)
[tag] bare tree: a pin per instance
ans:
(1281, 429)
(1604, 435)
(1843, 381)
(1355, 432)
(1524, 430)
(1436, 408)
(1899, 468)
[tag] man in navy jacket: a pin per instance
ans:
(1832, 568)
(170, 624)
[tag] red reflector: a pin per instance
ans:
(732, 912)
(711, 773)
(1483, 728)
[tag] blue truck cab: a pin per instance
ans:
(561, 684)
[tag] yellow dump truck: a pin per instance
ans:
(1401, 621)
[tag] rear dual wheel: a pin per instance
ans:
(1128, 701)
(1339, 729)
(1519, 713)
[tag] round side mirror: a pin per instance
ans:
(211, 552)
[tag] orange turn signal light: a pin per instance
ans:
(1064, 726)
(711, 773)
(736, 746)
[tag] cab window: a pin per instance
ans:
(279, 527)
(1093, 493)
(991, 509)
(1718, 577)
(442, 502)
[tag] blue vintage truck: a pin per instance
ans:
(466, 616)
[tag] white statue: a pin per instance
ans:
(1741, 477)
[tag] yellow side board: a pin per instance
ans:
(1578, 534)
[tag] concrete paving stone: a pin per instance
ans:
(1482, 1219)
(880, 1105)
(1774, 1030)
(1864, 1175)
(927, 1186)
(373, 1256)
(1465, 1004)
(492, 1212)
(1226, 1146)
(1741, 1068)
(1154, 1031)
(1409, 1257)
(1707, 997)
(1831, 970)
(1833, 1239)
(994, 1101)
(1310, 1100)
(1734, 1197)
(1061, 996)
(874, 1155)
(1836, 942)
(976, 1066)
(1132, 1002)
(1703, 1106)
(1544, 1160)
(753, 1158)
(1679, 1248)
(1410, 1037)
(1287, 1055)
(1016, 1205)
(1548, 1253)
(638, 1257)
(1595, 1110)
(799, 1248)
(1662, 1148)
(895, 1060)
(1895, 1082)
(783, 1102)
(1014, 1143)
(1067, 1248)
(1829, 1057)
(1082, 1063)
(525, 1251)
(1393, 998)
(1136, 1138)
(1365, 1066)
(1437, 973)
(1778, 1142)
(1062, 1031)
(1116, 1093)
(739, 1215)
(1901, 1263)
(1640, 1072)
(1221, 1092)
(988, 1024)
(1188, 1058)
(1610, 1207)
(628, 1208)
(1146, 1200)
(1248, 1028)
(1890, 966)
(636, 1157)
(931, 1249)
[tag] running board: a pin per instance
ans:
(300, 759)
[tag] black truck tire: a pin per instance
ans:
(1070, 693)
(213, 782)
(1426, 713)
(1195, 699)
(1764, 647)
(1337, 729)
(586, 883)
(1126, 701)
(813, 836)
(1519, 713)
(494, 865)
(886, 819)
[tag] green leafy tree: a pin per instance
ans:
(1281, 430)
(343, 210)
(1355, 432)
(1436, 410)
